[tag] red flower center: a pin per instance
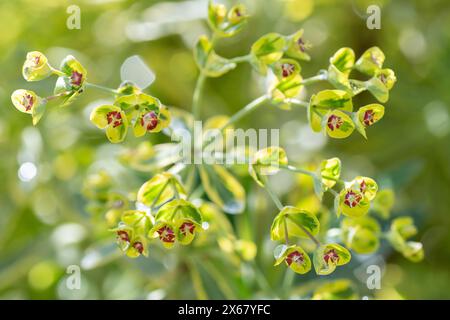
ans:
(295, 257)
(76, 78)
(363, 186)
(166, 234)
(114, 118)
(187, 227)
(123, 236)
(331, 255)
(369, 117)
(287, 69)
(138, 246)
(149, 120)
(352, 198)
(301, 44)
(334, 122)
(27, 101)
(37, 59)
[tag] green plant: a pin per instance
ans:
(173, 204)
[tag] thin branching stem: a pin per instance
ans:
(99, 87)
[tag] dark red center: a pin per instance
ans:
(295, 257)
(114, 118)
(352, 198)
(138, 246)
(331, 255)
(166, 234)
(301, 44)
(369, 117)
(287, 69)
(27, 101)
(334, 122)
(187, 227)
(76, 78)
(123, 236)
(149, 120)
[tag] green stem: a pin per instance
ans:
(298, 103)
(322, 76)
(274, 197)
(58, 72)
(241, 59)
(99, 87)
(298, 170)
(197, 94)
(279, 205)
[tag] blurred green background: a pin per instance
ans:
(44, 224)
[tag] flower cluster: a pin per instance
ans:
(170, 218)
(131, 107)
(359, 232)
(163, 211)
(70, 83)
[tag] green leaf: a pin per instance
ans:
(360, 127)
(297, 46)
(377, 88)
(223, 188)
(330, 171)
(361, 234)
(208, 61)
(38, 111)
(297, 221)
(327, 257)
(318, 188)
(370, 61)
(160, 189)
(179, 210)
(267, 50)
(343, 60)
(324, 101)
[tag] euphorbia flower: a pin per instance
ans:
(297, 46)
(113, 119)
(25, 100)
(137, 247)
(294, 257)
(237, 14)
(75, 72)
(354, 200)
(36, 67)
(328, 257)
(151, 121)
(186, 231)
(366, 185)
(338, 124)
(353, 203)
(165, 232)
